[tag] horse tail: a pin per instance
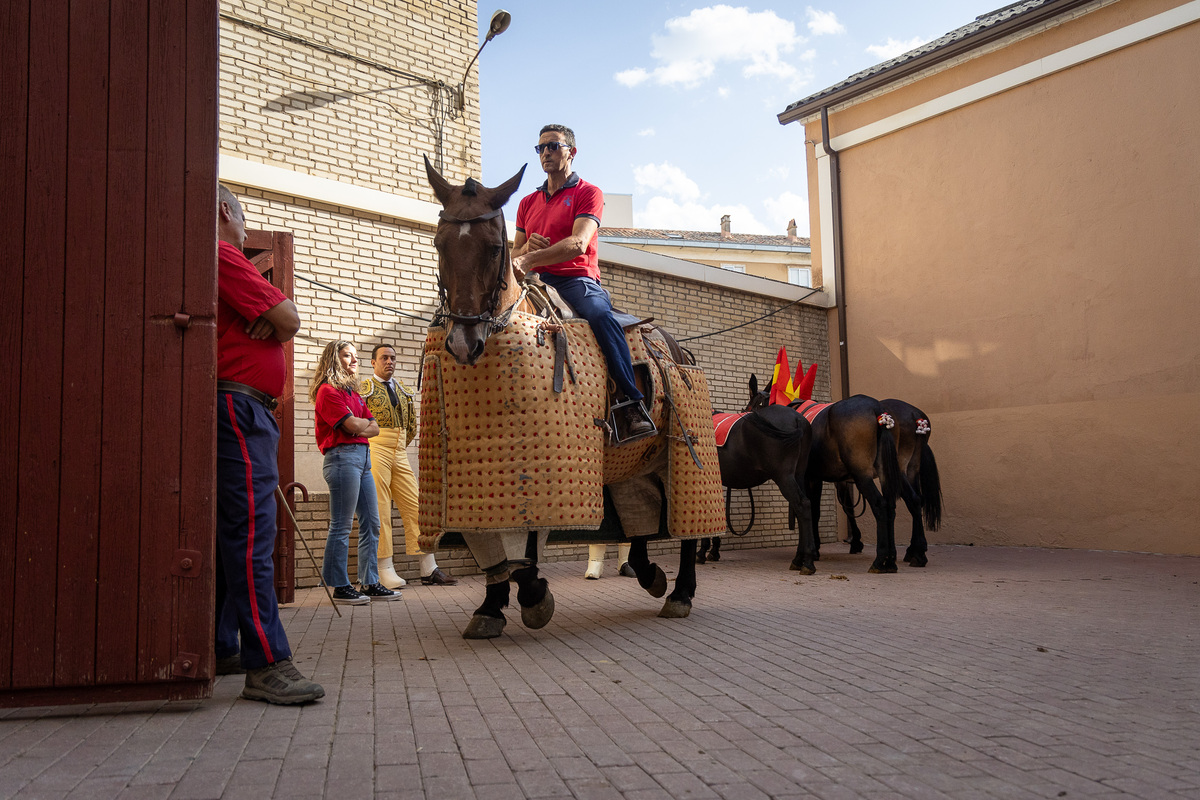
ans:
(888, 462)
(931, 487)
(788, 435)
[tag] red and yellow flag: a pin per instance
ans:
(786, 387)
(781, 380)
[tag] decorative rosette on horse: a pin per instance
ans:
(516, 433)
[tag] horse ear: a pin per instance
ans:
(505, 190)
(753, 385)
(441, 187)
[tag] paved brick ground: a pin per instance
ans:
(995, 672)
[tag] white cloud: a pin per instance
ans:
(823, 23)
(692, 47)
(665, 212)
(667, 179)
(784, 207)
(631, 77)
(893, 48)
(678, 204)
(646, 132)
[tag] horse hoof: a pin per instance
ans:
(701, 559)
(675, 609)
(537, 615)
(887, 569)
(626, 571)
(715, 557)
(918, 560)
(805, 569)
(856, 548)
(658, 586)
(794, 567)
(481, 627)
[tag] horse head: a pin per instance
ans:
(475, 277)
(758, 399)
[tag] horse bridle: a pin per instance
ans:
(488, 315)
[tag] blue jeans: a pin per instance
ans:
(347, 471)
(592, 302)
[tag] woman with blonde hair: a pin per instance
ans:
(344, 423)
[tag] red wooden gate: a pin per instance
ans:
(271, 252)
(108, 153)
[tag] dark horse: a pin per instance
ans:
(772, 444)
(479, 295)
(851, 441)
(920, 486)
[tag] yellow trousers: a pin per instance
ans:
(394, 481)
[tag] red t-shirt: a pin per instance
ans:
(242, 296)
(333, 407)
(553, 216)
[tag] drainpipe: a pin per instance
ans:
(839, 266)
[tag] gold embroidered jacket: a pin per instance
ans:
(387, 415)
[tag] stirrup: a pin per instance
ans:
(640, 410)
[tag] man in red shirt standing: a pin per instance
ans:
(556, 238)
(253, 320)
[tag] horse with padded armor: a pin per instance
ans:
(492, 341)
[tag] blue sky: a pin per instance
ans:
(676, 103)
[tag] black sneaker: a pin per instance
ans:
(282, 684)
(347, 595)
(375, 591)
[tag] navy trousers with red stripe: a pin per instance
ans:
(247, 474)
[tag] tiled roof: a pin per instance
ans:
(706, 237)
(981, 24)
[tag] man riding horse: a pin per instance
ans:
(556, 238)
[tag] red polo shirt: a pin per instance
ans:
(553, 216)
(332, 409)
(242, 296)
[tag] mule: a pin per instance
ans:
(851, 441)
(479, 294)
(920, 487)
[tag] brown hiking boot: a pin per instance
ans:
(282, 684)
(632, 422)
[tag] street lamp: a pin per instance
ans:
(499, 24)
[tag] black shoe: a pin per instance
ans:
(346, 595)
(281, 683)
(231, 665)
(375, 591)
(438, 578)
(627, 571)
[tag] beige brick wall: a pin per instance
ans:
(291, 103)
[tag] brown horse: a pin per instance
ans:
(920, 488)
(480, 294)
(851, 441)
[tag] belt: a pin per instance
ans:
(249, 391)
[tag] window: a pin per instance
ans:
(734, 267)
(800, 276)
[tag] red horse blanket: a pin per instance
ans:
(723, 423)
(810, 409)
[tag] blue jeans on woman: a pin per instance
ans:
(347, 471)
(592, 302)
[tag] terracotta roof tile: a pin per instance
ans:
(706, 237)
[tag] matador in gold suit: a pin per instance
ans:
(391, 403)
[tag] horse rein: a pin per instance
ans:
(488, 315)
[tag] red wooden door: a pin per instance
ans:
(108, 150)
(271, 252)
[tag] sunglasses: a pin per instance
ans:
(553, 147)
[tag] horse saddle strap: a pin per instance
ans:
(667, 395)
(562, 357)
